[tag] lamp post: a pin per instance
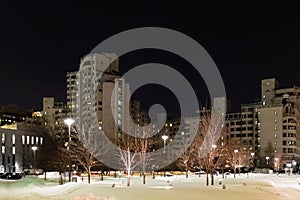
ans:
(164, 137)
(276, 164)
(235, 152)
(69, 122)
(267, 158)
(252, 159)
(34, 148)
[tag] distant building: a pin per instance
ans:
(16, 148)
(53, 115)
(115, 103)
(85, 93)
(269, 128)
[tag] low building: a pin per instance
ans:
(22, 147)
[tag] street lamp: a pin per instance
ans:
(252, 159)
(164, 137)
(34, 148)
(267, 158)
(69, 122)
(235, 152)
(276, 164)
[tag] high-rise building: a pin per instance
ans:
(269, 128)
(85, 96)
(116, 115)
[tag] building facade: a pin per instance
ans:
(85, 96)
(17, 150)
(270, 127)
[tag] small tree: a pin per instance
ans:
(277, 162)
(186, 154)
(88, 148)
(209, 142)
(128, 154)
(143, 145)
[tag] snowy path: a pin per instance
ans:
(256, 187)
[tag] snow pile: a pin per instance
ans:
(91, 196)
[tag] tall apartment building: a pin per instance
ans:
(269, 128)
(116, 115)
(53, 115)
(85, 93)
(71, 91)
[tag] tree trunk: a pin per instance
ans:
(144, 178)
(101, 176)
(234, 172)
(223, 175)
(89, 175)
(45, 177)
(128, 180)
(186, 172)
(212, 177)
(60, 179)
(207, 179)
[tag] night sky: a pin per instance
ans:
(39, 44)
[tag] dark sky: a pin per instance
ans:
(40, 43)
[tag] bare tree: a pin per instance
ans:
(209, 150)
(127, 154)
(88, 148)
(143, 146)
(186, 153)
(277, 162)
(237, 157)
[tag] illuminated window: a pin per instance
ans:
(13, 138)
(13, 150)
(23, 139)
(32, 140)
(3, 149)
(36, 140)
(28, 139)
(41, 140)
(3, 138)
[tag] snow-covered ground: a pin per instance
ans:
(254, 187)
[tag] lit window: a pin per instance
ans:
(28, 139)
(32, 140)
(36, 140)
(13, 137)
(3, 149)
(23, 139)
(13, 150)
(41, 140)
(3, 138)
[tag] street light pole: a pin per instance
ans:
(69, 122)
(252, 155)
(34, 148)
(164, 137)
(235, 152)
(267, 158)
